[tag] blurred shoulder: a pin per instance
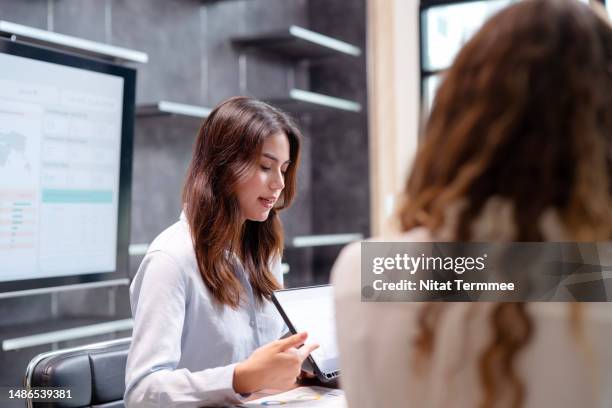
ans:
(175, 242)
(346, 273)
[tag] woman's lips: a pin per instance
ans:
(267, 202)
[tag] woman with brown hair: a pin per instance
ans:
(518, 147)
(205, 331)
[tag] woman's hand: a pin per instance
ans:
(275, 365)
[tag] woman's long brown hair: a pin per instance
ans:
(523, 114)
(226, 150)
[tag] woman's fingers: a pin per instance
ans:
(306, 374)
(291, 341)
(274, 365)
(304, 351)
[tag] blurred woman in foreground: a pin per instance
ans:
(518, 147)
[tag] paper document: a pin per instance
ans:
(319, 397)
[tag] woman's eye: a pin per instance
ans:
(264, 168)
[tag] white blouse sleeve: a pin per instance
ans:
(158, 297)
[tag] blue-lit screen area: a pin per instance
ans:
(61, 129)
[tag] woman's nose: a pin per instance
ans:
(278, 181)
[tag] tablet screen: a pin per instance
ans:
(312, 310)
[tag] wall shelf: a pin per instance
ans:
(58, 330)
(297, 42)
(66, 288)
(297, 242)
(308, 241)
(138, 249)
(172, 108)
(301, 100)
(50, 38)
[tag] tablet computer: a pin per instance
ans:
(311, 309)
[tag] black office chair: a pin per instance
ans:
(95, 375)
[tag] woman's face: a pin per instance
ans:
(258, 193)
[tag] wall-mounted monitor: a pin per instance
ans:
(66, 132)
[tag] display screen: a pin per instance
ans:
(446, 28)
(312, 310)
(61, 129)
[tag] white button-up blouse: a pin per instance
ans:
(185, 345)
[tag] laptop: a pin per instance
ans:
(311, 309)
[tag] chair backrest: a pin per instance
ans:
(94, 374)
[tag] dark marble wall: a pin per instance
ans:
(340, 164)
(191, 60)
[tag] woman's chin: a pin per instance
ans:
(260, 217)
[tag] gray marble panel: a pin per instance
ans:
(81, 18)
(345, 78)
(14, 365)
(135, 261)
(270, 15)
(323, 261)
(340, 175)
(230, 70)
(32, 13)
(343, 19)
(84, 302)
(162, 152)
(300, 264)
(340, 168)
(14, 404)
(24, 309)
(122, 334)
(171, 34)
(297, 219)
(122, 302)
(341, 76)
(222, 21)
(268, 78)
(301, 78)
